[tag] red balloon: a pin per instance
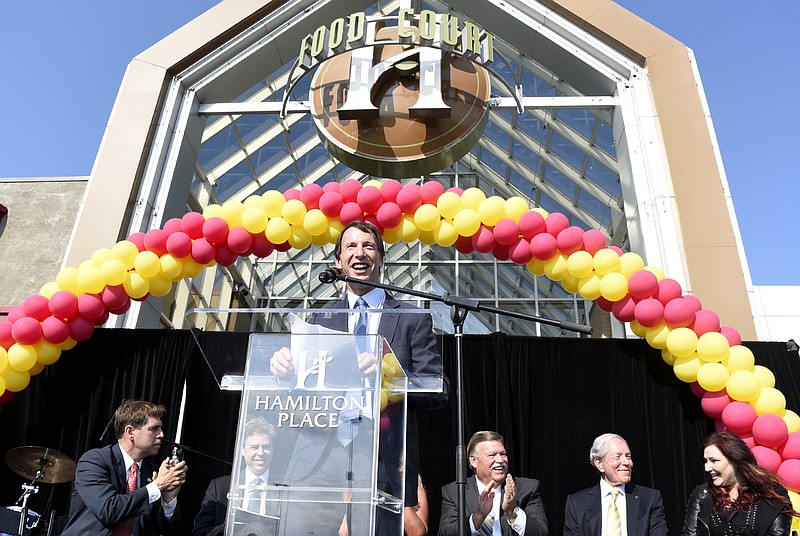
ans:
(570, 240)
(225, 256)
(373, 219)
(138, 240)
(331, 204)
(370, 199)
(26, 330)
(285, 246)
(770, 430)
(643, 284)
(262, 247)
(36, 306)
(389, 190)
(649, 312)
(331, 187)
(506, 231)
(697, 390)
(624, 309)
(483, 240)
(239, 240)
(531, 224)
(91, 306)
(430, 192)
(6, 340)
(155, 240)
(80, 328)
(192, 224)
(15, 314)
(714, 403)
(543, 246)
(734, 339)
(115, 298)
(455, 190)
(789, 473)
(349, 190)
(501, 252)
(739, 417)
(291, 194)
(409, 199)
(604, 304)
(705, 321)
(668, 290)
(202, 251)
(464, 245)
(6, 397)
(616, 249)
(791, 447)
(766, 457)
(593, 241)
(747, 437)
(63, 304)
(102, 319)
(173, 225)
(520, 251)
(215, 230)
(351, 212)
(179, 245)
(122, 309)
(679, 313)
(555, 223)
(310, 195)
(389, 215)
(693, 302)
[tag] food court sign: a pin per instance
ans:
(397, 96)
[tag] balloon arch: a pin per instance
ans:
(733, 390)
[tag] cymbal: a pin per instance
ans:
(28, 461)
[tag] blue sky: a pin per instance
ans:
(63, 63)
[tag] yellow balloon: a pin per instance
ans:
(273, 203)
(374, 182)
(47, 353)
(113, 272)
(68, 344)
(580, 264)
(254, 219)
(740, 358)
(686, 368)
(589, 286)
(90, 280)
(541, 211)
(15, 380)
(322, 239)
(36, 369)
(536, 266)
(743, 386)
(657, 336)
(67, 279)
(765, 376)
(392, 236)
(492, 210)
(713, 347)
(656, 271)
(613, 286)
(315, 222)
(449, 204)
(190, 268)
(770, 400)
(278, 230)
(472, 198)
(606, 261)
(135, 285)
(255, 201)
(384, 398)
(3, 359)
(21, 357)
(232, 213)
(409, 232)
(159, 286)
(48, 289)
(125, 252)
(212, 211)
(682, 342)
(556, 268)
(570, 283)
(171, 268)
(299, 239)
(294, 212)
(333, 231)
(147, 264)
(668, 358)
(515, 207)
(445, 234)
(426, 237)
(639, 330)
(712, 376)
(467, 222)
(100, 256)
(792, 421)
(2, 385)
(629, 263)
(427, 217)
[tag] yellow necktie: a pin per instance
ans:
(613, 524)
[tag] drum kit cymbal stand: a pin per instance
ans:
(41, 465)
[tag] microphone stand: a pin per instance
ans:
(459, 309)
(191, 450)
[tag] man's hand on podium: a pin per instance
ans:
(281, 365)
(367, 363)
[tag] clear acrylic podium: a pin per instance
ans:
(338, 443)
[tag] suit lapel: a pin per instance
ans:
(631, 508)
(595, 511)
(118, 464)
(389, 319)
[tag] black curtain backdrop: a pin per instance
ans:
(549, 397)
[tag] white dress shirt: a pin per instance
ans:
(518, 525)
(605, 502)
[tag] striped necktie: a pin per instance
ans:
(254, 504)
(360, 327)
(487, 527)
(125, 528)
(613, 523)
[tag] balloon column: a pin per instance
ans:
(733, 390)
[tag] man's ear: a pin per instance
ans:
(472, 462)
(598, 465)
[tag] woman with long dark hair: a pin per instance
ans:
(739, 498)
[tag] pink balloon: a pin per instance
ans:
(719, 425)
(501, 252)
(430, 192)
(409, 199)
(643, 284)
(506, 231)
(697, 390)
(770, 430)
(63, 304)
(570, 240)
(714, 403)
(291, 194)
(349, 190)
(15, 314)
(693, 301)
(331, 204)
(455, 190)
(224, 255)
(115, 298)
(91, 306)
(55, 330)
(36, 306)
(616, 249)
(624, 309)
(202, 251)
(179, 245)
(649, 312)
(172, 225)
(389, 190)
(155, 240)
(331, 187)
(373, 219)
(791, 447)
(310, 195)
(215, 230)
(748, 439)
(138, 240)
(766, 457)
(668, 290)
(483, 240)
(544, 246)
(239, 240)
(80, 328)
(464, 245)
(531, 224)
(705, 321)
(192, 224)
(261, 246)
(370, 199)
(389, 215)
(593, 241)
(734, 339)
(351, 212)
(679, 313)
(555, 223)
(739, 417)
(26, 330)
(789, 473)
(520, 251)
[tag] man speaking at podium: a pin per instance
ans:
(359, 253)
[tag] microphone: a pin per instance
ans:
(330, 275)
(106, 429)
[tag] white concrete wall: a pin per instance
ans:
(778, 312)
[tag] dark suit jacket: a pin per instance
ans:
(100, 499)
(414, 344)
(583, 515)
(528, 498)
(210, 519)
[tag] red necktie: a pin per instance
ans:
(125, 528)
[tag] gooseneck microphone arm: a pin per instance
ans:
(187, 449)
